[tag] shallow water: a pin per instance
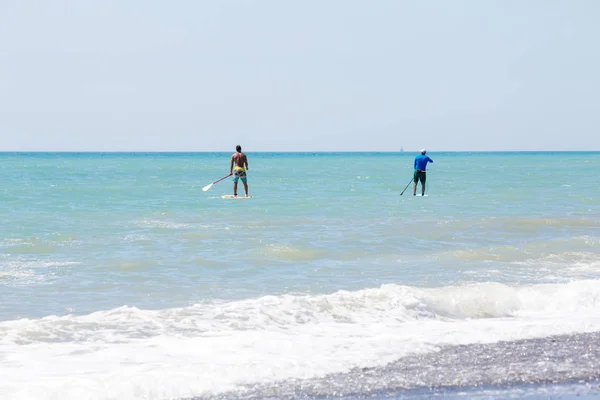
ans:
(121, 278)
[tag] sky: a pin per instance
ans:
(310, 75)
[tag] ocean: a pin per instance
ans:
(121, 279)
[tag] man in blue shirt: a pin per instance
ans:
(420, 166)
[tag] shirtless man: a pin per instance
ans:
(240, 161)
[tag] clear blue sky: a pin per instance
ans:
(193, 75)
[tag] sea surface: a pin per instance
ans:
(121, 279)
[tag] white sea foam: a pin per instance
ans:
(24, 272)
(567, 265)
(127, 353)
(15, 274)
(162, 224)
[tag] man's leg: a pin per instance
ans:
(245, 187)
(416, 180)
(235, 188)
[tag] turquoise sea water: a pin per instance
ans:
(119, 266)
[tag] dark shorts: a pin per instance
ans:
(420, 175)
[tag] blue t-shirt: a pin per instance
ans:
(421, 162)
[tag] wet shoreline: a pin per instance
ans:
(502, 366)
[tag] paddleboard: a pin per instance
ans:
(418, 195)
(230, 196)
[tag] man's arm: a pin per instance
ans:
(415, 163)
(430, 160)
(246, 161)
(231, 166)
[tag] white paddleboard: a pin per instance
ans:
(418, 195)
(230, 196)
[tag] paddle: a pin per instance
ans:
(409, 182)
(207, 187)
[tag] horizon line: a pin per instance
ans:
(295, 151)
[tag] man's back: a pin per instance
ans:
(421, 162)
(239, 159)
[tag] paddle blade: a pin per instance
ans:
(205, 188)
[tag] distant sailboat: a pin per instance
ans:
(401, 149)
